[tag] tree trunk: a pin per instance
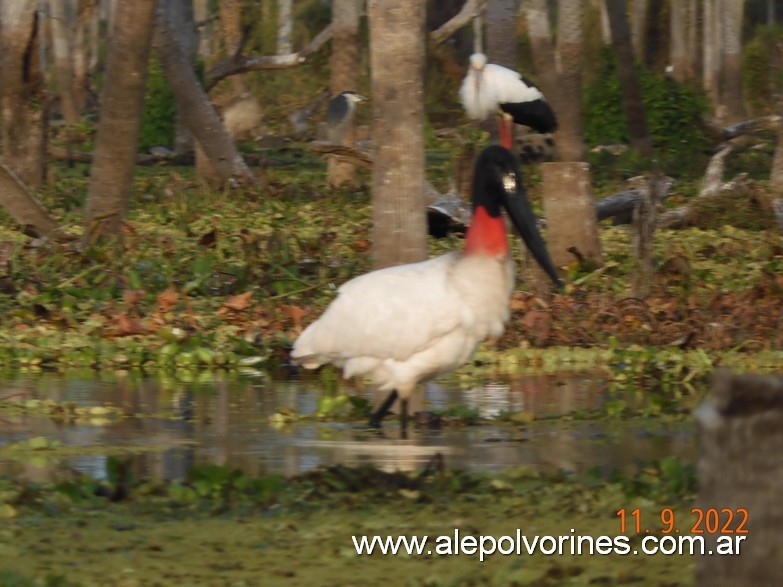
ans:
(539, 31)
(639, 17)
(642, 236)
(231, 22)
(122, 102)
(344, 64)
(568, 98)
(739, 472)
(22, 137)
(61, 25)
(201, 14)
(679, 58)
(501, 45)
(82, 51)
(569, 208)
(501, 19)
(776, 174)
(197, 112)
(285, 26)
(397, 67)
(712, 51)
(732, 60)
(180, 15)
(692, 40)
(633, 106)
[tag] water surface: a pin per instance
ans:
(225, 420)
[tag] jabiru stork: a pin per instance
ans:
(406, 324)
(493, 89)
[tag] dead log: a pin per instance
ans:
(740, 471)
(145, 159)
(746, 127)
(620, 206)
(352, 155)
(680, 217)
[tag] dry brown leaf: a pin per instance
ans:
(128, 326)
(295, 313)
(239, 302)
(167, 300)
(133, 296)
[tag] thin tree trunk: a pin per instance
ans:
(678, 44)
(642, 236)
(568, 98)
(711, 51)
(81, 51)
(61, 25)
(397, 67)
(539, 30)
(776, 173)
(22, 136)
(344, 76)
(196, 110)
(231, 22)
(285, 26)
(633, 106)
(693, 37)
(639, 16)
(120, 119)
(201, 13)
(181, 17)
(501, 19)
(732, 60)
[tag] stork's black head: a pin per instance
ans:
(497, 182)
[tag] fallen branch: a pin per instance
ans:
(352, 155)
(23, 206)
(63, 154)
(620, 206)
(746, 127)
(681, 216)
(470, 10)
(242, 64)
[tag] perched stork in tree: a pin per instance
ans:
(406, 324)
(493, 89)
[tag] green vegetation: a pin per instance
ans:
(674, 116)
(158, 123)
(220, 527)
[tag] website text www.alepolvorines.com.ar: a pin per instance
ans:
(521, 544)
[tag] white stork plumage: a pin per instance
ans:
(493, 89)
(406, 324)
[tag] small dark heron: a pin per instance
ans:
(339, 115)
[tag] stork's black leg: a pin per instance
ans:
(378, 415)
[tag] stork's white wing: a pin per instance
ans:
(508, 86)
(390, 313)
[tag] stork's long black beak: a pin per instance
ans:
(524, 220)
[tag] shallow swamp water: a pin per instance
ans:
(540, 454)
